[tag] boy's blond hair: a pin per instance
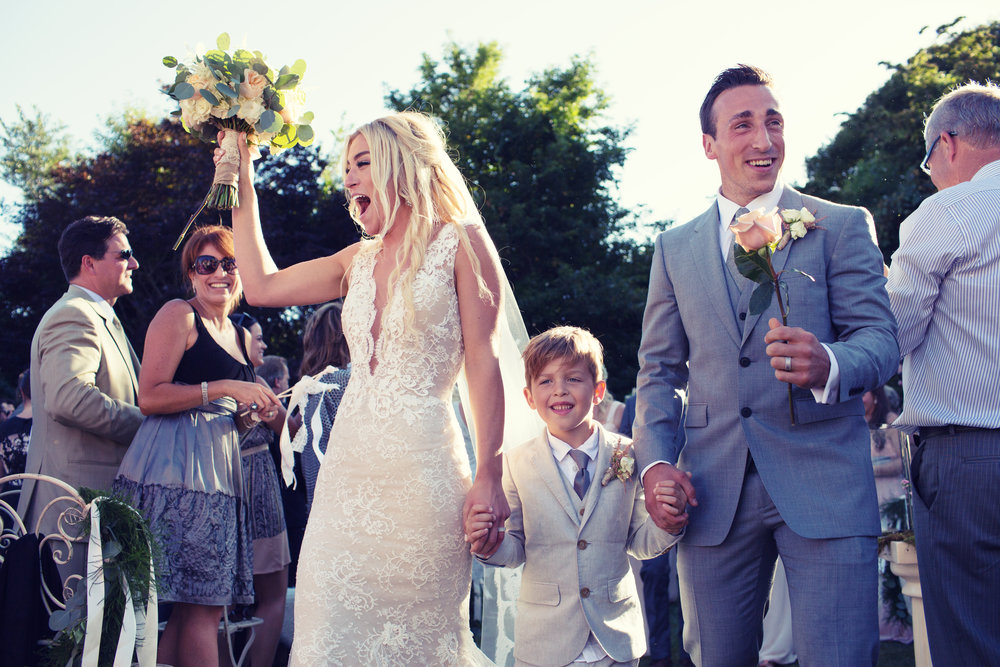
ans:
(567, 344)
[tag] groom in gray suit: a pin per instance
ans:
(713, 402)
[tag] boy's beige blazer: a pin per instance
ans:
(577, 577)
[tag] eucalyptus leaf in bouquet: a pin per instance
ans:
(233, 93)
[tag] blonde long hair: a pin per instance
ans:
(408, 153)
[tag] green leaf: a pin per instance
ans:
(761, 298)
(751, 264)
(183, 91)
(222, 41)
(307, 117)
(112, 549)
(212, 99)
(226, 90)
(59, 620)
(170, 61)
(306, 134)
(233, 110)
(260, 68)
(285, 69)
(269, 122)
(286, 81)
(298, 67)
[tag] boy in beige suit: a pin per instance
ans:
(577, 512)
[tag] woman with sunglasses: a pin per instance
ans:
(384, 575)
(197, 389)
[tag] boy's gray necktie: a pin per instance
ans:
(582, 480)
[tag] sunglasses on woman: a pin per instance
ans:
(206, 265)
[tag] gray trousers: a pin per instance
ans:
(832, 586)
(956, 483)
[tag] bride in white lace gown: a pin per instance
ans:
(384, 574)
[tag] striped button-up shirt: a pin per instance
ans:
(944, 289)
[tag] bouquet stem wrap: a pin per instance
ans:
(223, 194)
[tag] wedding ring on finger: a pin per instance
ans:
(788, 364)
(255, 407)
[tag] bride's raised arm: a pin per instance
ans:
(313, 281)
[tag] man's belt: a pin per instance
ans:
(938, 431)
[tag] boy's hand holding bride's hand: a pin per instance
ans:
(478, 523)
(488, 491)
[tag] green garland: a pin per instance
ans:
(129, 547)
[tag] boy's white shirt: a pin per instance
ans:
(592, 651)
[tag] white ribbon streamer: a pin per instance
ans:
(136, 625)
(303, 389)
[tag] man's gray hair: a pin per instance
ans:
(971, 111)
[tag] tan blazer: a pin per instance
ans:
(577, 578)
(83, 386)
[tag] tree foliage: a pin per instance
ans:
(152, 175)
(542, 165)
(874, 160)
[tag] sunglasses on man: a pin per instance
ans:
(206, 265)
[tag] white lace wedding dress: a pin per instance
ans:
(384, 574)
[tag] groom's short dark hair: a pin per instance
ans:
(741, 75)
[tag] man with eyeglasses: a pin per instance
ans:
(944, 288)
(84, 372)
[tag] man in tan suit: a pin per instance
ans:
(83, 369)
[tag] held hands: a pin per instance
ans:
(671, 492)
(478, 522)
(797, 356)
(487, 495)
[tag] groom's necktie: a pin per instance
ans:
(582, 480)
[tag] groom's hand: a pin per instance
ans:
(664, 515)
(799, 350)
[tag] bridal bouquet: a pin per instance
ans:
(235, 93)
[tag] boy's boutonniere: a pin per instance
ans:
(759, 234)
(622, 466)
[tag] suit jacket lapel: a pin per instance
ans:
(789, 199)
(545, 464)
(113, 327)
(601, 464)
(705, 249)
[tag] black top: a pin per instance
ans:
(206, 360)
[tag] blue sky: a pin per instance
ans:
(81, 62)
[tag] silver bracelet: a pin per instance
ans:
(204, 393)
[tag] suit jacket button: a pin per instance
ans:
(743, 316)
(744, 361)
(581, 511)
(746, 412)
(585, 592)
(581, 545)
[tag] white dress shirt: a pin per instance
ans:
(944, 289)
(101, 302)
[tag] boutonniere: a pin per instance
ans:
(795, 224)
(622, 466)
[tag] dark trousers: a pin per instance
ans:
(956, 483)
(655, 575)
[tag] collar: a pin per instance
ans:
(101, 302)
(560, 449)
(767, 201)
(988, 170)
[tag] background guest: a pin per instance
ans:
(15, 432)
(327, 358)
(943, 290)
(83, 371)
(183, 468)
(271, 554)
